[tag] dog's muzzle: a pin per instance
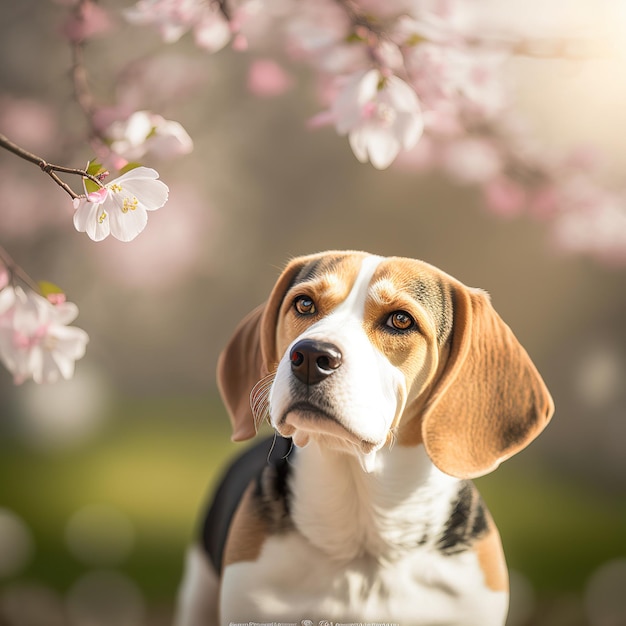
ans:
(313, 361)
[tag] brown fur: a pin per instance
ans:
(474, 399)
(491, 558)
(247, 533)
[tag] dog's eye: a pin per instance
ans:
(400, 320)
(304, 305)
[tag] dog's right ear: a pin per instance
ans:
(251, 354)
(239, 367)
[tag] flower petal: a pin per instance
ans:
(136, 173)
(151, 194)
(93, 219)
(126, 226)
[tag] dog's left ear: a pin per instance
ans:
(250, 355)
(490, 401)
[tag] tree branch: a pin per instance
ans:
(16, 271)
(48, 168)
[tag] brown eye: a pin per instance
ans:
(304, 305)
(400, 320)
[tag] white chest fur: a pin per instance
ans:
(364, 550)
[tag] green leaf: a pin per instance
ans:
(94, 169)
(47, 289)
(354, 38)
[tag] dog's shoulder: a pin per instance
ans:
(253, 491)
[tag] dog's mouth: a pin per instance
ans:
(304, 419)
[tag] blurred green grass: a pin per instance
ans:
(158, 458)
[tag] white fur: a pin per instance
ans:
(368, 392)
(355, 555)
(364, 543)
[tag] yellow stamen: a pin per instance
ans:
(115, 187)
(129, 205)
(102, 217)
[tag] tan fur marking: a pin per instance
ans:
(247, 532)
(328, 291)
(414, 353)
(491, 559)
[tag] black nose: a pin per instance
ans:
(313, 361)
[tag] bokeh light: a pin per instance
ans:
(105, 598)
(605, 595)
(16, 544)
(99, 535)
(31, 604)
(63, 414)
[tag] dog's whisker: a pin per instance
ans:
(259, 400)
(393, 438)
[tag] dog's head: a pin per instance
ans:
(357, 351)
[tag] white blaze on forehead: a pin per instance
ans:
(355, 302)
(363, 395)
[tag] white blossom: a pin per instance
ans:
(380, 115)
(120, 207)
(145, 132)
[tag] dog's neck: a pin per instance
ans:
(402, 503)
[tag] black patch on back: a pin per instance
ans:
(467, 521)
(272, 491)
(266, 464)
(437, 298)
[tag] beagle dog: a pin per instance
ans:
(390, 386)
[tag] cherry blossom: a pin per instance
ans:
(381, 116)
(144, 133)
(173, 18)
(35, 339)
(120, 207)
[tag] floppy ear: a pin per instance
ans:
(250, 355)
(489, 402)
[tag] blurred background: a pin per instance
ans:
(102, 477)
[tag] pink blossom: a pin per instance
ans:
(35, 339)
(380, 115)
(266, 78)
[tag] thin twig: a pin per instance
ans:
(48, 168)
(223, 5)
(80, 82)
(16, 271)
